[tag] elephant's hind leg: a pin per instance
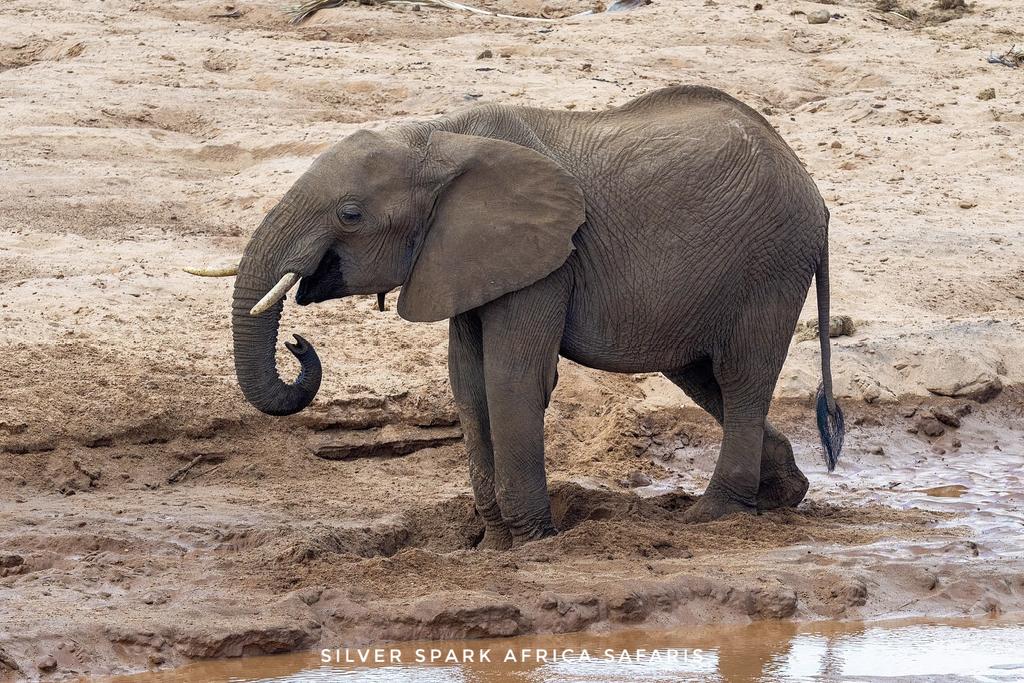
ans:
(466, 371)
(781, 484)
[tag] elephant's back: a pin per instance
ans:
(694, 205)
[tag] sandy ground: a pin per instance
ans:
(139, 137)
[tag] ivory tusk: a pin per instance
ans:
(275, 294)
(226, 271)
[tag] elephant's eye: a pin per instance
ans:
(350, 214)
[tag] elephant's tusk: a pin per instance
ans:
(226, 271)
(276, 294)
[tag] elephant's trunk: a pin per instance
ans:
(255, 336)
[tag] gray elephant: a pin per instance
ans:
(677, 234)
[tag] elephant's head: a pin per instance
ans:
(456, 222)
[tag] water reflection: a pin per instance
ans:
(763, 652)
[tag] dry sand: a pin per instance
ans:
(140, 137)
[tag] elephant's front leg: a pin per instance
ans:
(466, 371)
(522, 333)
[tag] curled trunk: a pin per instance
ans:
(255, 338)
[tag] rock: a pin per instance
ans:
(987, 94)
(946, 417)
(967, 204)
(7, 561)
(908, 411)
(636, 479)
(871, 391)
(46, 664)
(8, 664)
(838, 326)
(876, 450)
(982, 387)
(837, 145)
(11, 565)
(486, 54)
(929, 426)
(841, 326)
(821, 16)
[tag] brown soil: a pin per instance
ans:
(148, 516)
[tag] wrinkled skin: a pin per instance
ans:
(677, 233)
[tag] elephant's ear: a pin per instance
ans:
(504, 219)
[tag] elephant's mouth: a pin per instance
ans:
(324, 284)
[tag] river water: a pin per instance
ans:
(982, 650)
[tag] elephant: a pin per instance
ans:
(677, 233)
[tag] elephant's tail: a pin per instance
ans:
(831, 426)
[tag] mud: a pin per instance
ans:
(149, 517)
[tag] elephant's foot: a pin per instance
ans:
(715, 504)
(534, 533)
(783, 491)
(496, 537)
(782, 482)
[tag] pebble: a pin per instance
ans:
(46, 664)
(486, 54)
(841, 326)
(987, 94)
(821, 16)
(636, 479)
(7, 561)
(963, 409)
(929, 426)
(946, 417)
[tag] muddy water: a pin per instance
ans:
(765, 651)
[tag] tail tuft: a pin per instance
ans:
(831, 427)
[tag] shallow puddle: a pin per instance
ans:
(765, 651)
(954, 491)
